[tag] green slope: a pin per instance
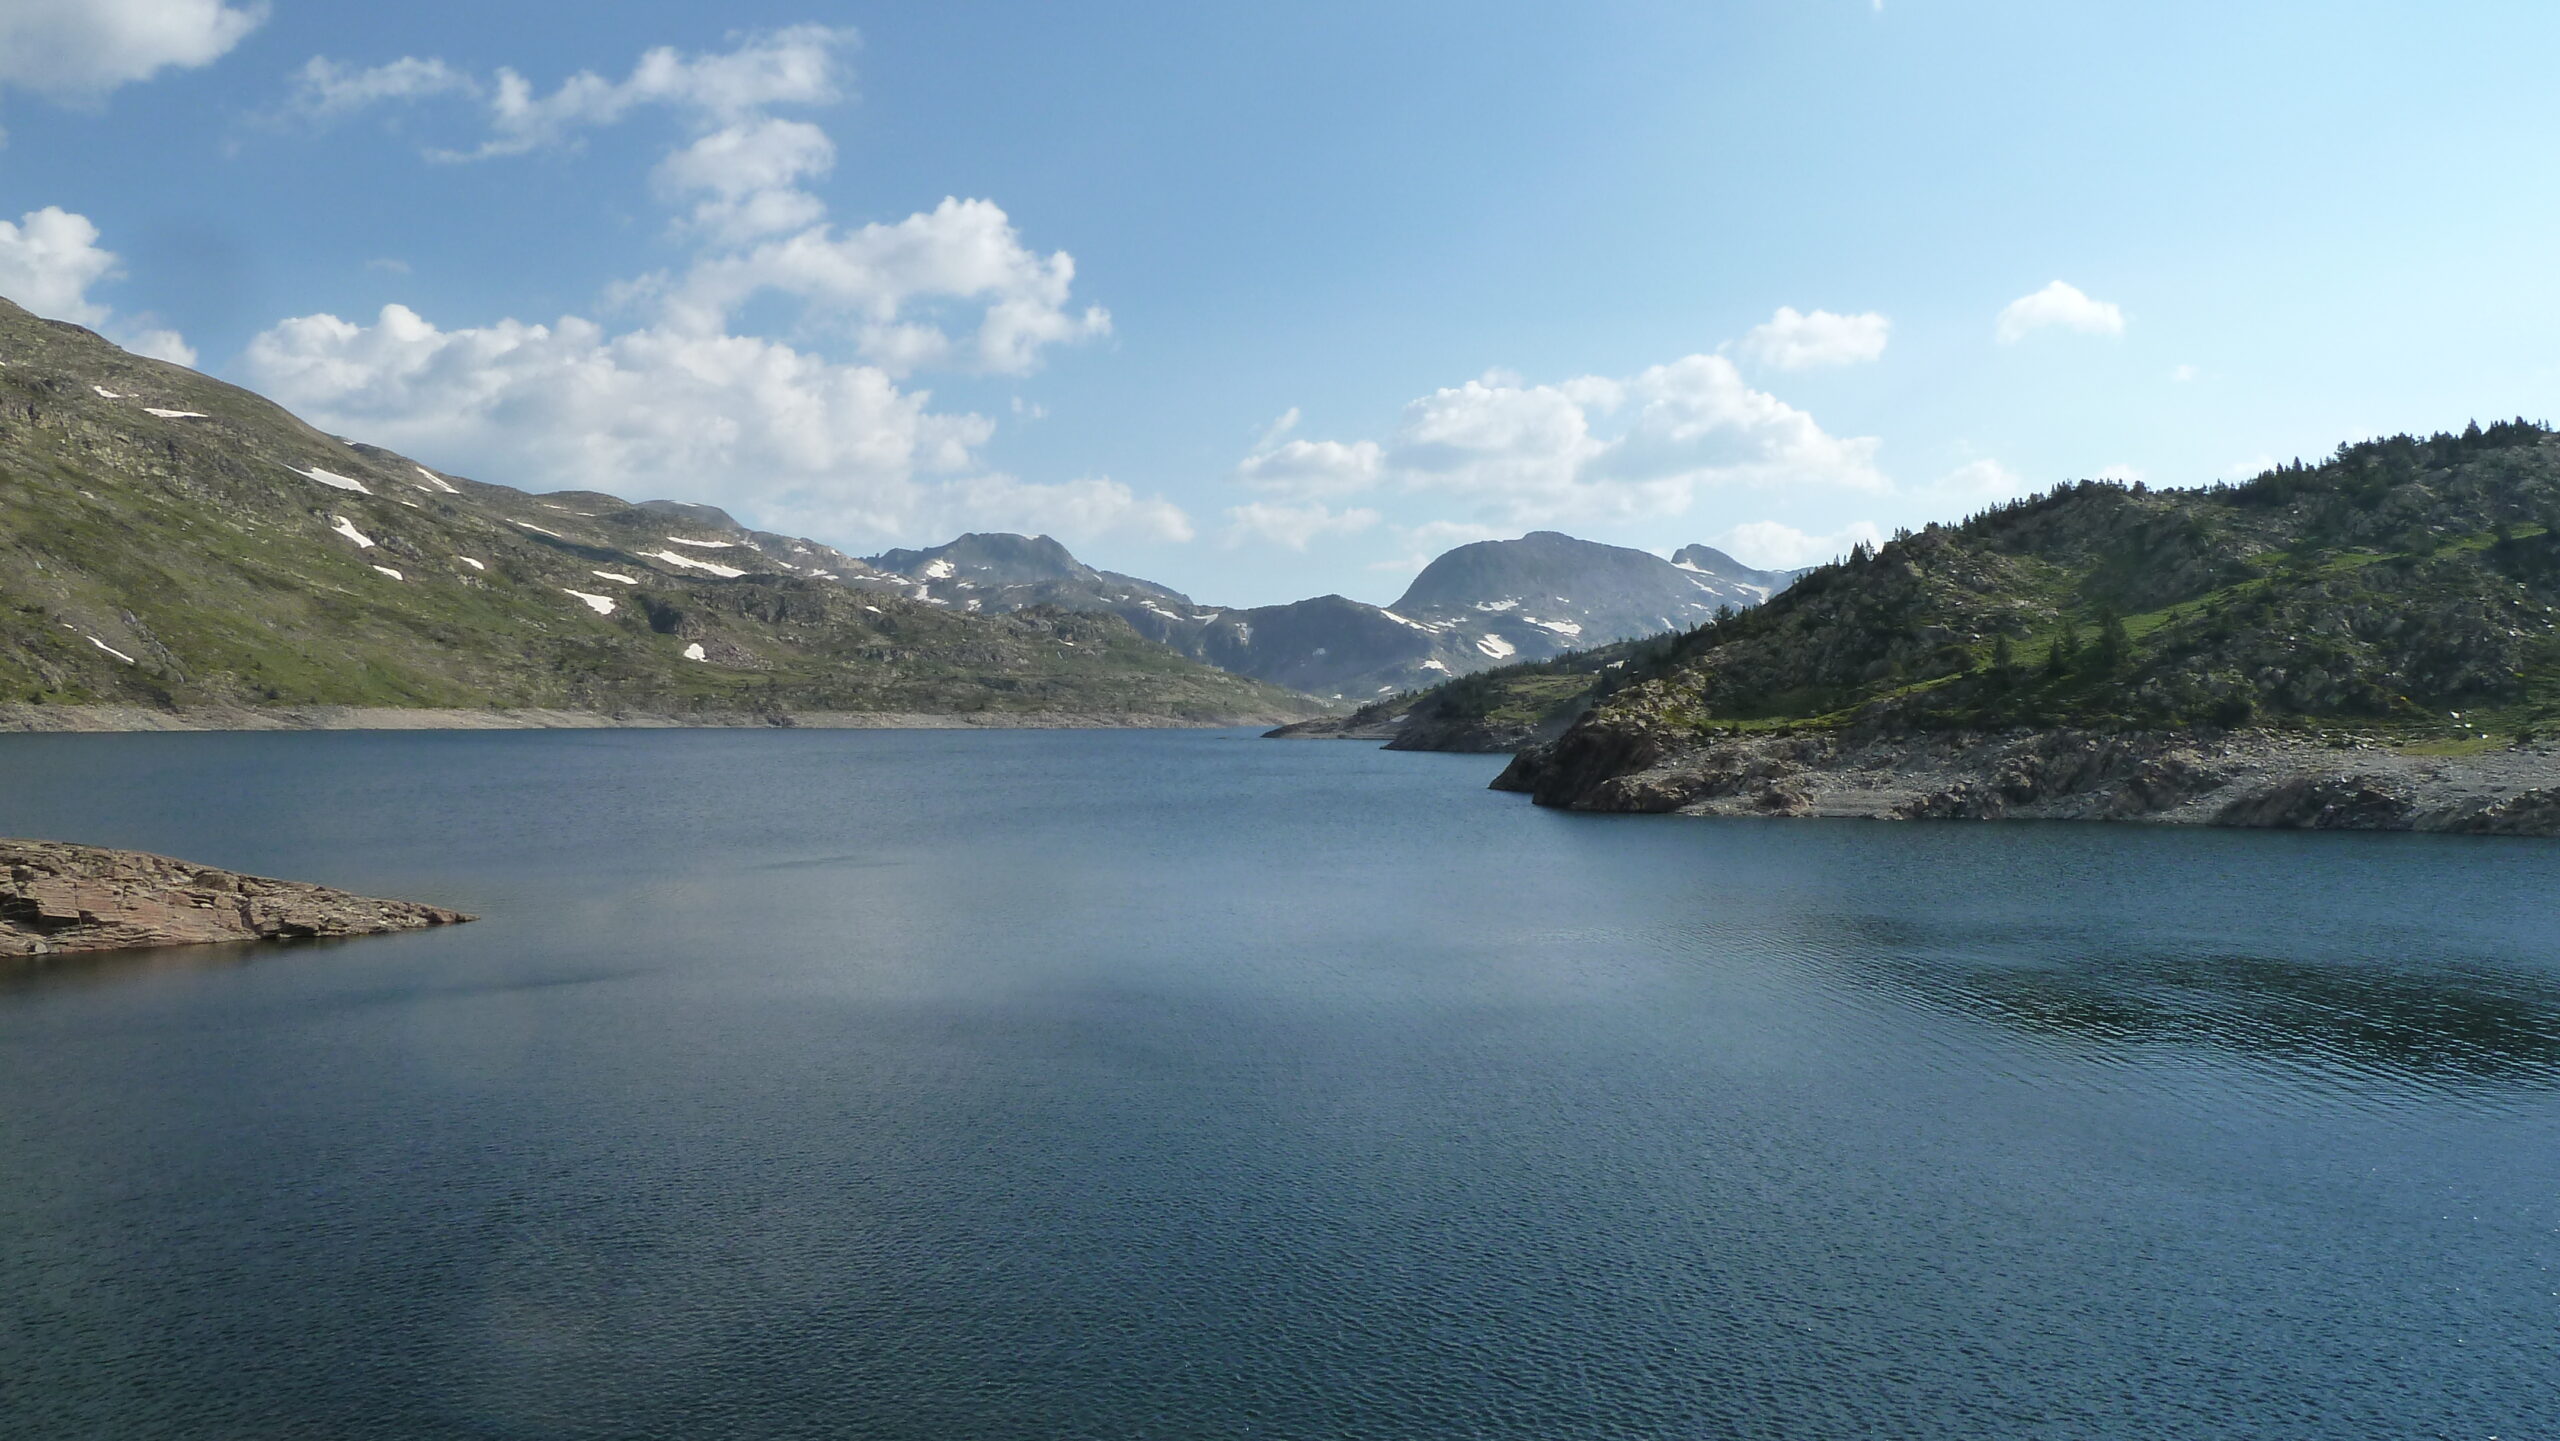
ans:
(2407, 588)
(204, 548)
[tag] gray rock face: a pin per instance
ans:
(1621, 762)
(58, 898)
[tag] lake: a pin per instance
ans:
(1180, 1084)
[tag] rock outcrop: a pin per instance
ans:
(2252, 779)
(56, 898)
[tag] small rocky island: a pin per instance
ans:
(57, 898)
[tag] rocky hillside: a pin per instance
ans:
(2403, 595)
(170, 541)
(1478, 607)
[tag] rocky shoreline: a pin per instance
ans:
(57, 898)
(23, 718)
(2241, 778)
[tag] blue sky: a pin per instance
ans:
(1269, 301)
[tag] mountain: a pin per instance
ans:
(2370, 641)
(168, 541)
(1477, 606)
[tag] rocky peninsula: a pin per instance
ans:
(57, 898)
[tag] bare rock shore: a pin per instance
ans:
(53, 718)
(57, 898)
(2243, 778)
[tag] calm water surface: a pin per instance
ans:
(1182, 1085)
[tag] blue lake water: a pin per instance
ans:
(1112, 1085)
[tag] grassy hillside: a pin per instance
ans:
(169, 540)
(2406, 587)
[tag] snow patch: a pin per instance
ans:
(386, 570)
(1497, 605)
(435, 480)
(704, 544)
(347, 528)
(111, 650)
(1400, 620)
(1496, 647)
(694, 652)
(1441, 666)
(671, 558)
(618, 579)
(538, 530)
(466, 560)
(940, 570)
(600, 604)
(332, 479)
(1560, 627)
(108, 394)
(175, 414)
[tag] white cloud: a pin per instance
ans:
(1590, 450)
(2058, 306)
(746, 177)
(160, 343)
(801, 65)
(675, 403)
(80, 49)
(1307, 469)
(1794, 341)
(878, 277)
(2121, 474)
(48, 261)
(790, 438)
(324, 89)
(1294, 525)
(1768, 545)
(2182, 374)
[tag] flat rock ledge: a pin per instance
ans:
(2244, 779)
(57, 898)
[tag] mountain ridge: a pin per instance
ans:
(177, 544)
(2372, 641)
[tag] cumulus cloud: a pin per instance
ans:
(793, 439)
(2059, 306)
(48, 261)
(797, 434)
(744, 179)
(1769, 545)
(1294, 526)
(81, 49)
(1590, 450)
(878, 277)
(1791, 340)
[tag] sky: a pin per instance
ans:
(1264, 302)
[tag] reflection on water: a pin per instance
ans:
(1073, 1086)
(2435, 1025)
